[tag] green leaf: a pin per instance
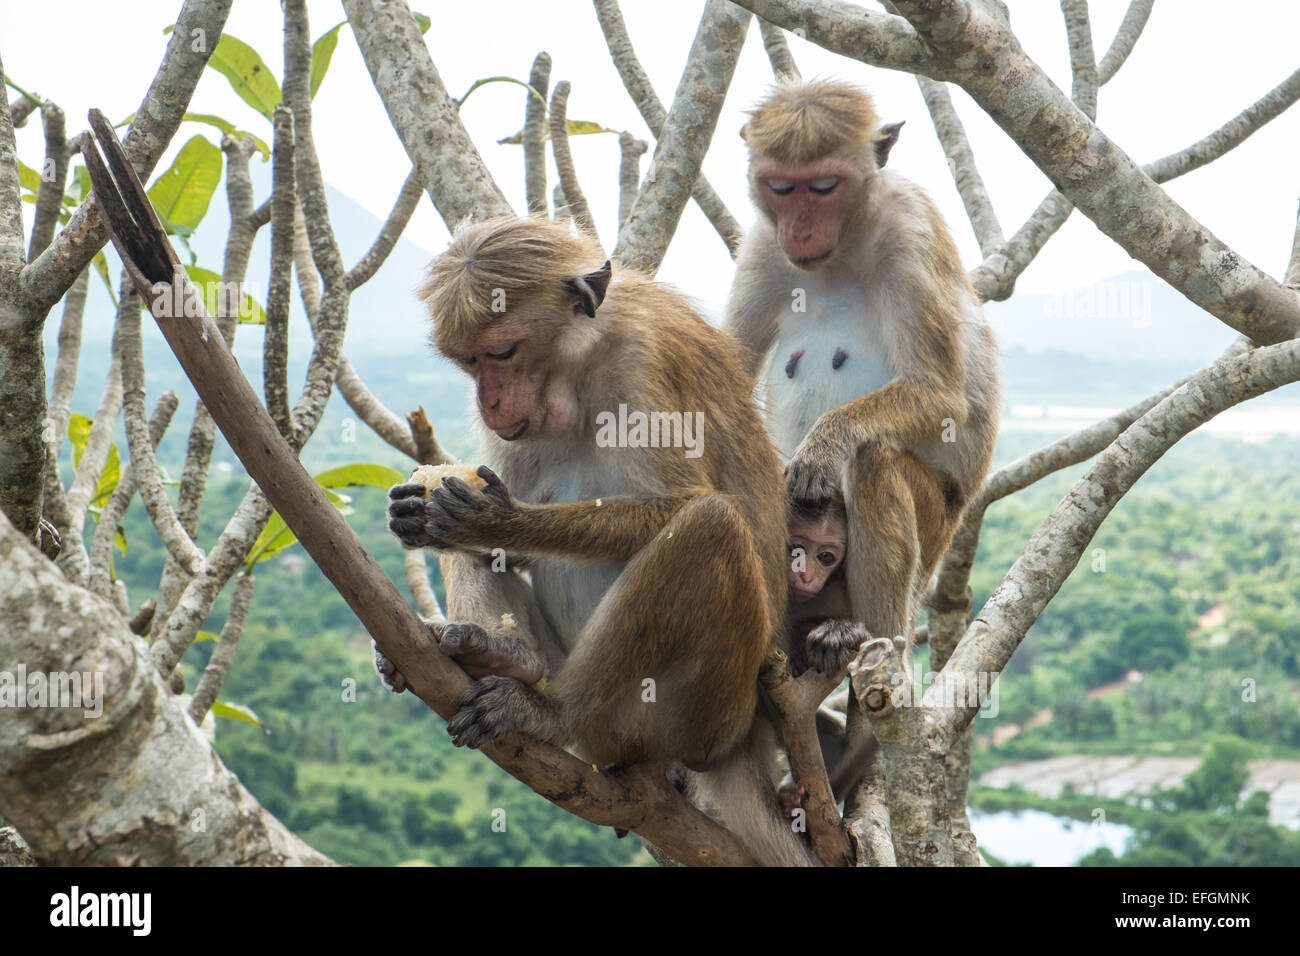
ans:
(275, 537)
(119, 539)
(360, 475)
(79, 433)
(108, 478)
(248, 74)
(321, 53)
(182, 193)
(206, 636)
(500, 79)
(576, 128)
(235, 712)
(421, 21)
(28, 177)
(101, 266)
(219, 299)
(81, 178)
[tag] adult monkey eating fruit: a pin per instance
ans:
(877, 370)
(657, 575)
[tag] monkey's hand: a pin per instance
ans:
(481, 654)
(832, 644)
(496, 706)
(813, 474)
(463, 517)
(406, 507)
(791, 798)
(388, 672)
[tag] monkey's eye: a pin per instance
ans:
(824, 187)
(782, 187)
(827, 559)
(504, 352)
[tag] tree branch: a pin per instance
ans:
(778, 51)
(638, 86)
(214, 675)
(1055, 549)
(49, 200)
(423, 113)
(110, 519)
(275, 341)
(198, 28)
(1083, 61)
(684, 139)
(1130, 28)
(535, 135)
(398, 218)
(1097, 176)
(631, 150)
(573, 193)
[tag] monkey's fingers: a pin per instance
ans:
(388, 672)
(454, 487)
(489, 709)
(411, 489)
(832, 644)
(481, 654)
(496, 488)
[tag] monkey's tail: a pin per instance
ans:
(740, 794)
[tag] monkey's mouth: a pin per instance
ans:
(515, 431)
(808, 262)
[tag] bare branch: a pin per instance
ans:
(1083, 61)
(143, 464)
(778, 51)
(54, 173)
(995, 277)
(110, 519)
(11, 210)
(577, 200)
(95, 454)
(796, 701)
(428, 451)
(984, 56)
(21, 108)
(1293, 270)
(398, 217)
(535, 135)
(1055, 549)
(1130, 28)
(631, 150)
(685, 137)
(214, 674)
(1228, 136)
(961, 162)
(423, 113)
(652, 111)
(275, 341)
(198, 28)
(417, 579)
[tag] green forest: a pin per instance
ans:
(1209, 534)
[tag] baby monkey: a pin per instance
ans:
(818, 621)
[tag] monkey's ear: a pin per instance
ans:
(888, 136)
(590, 289)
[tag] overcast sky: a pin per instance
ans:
(1197, 64)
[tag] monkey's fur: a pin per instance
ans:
(644, 564)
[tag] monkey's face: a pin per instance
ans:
(511, 379)
(805, 205)
(815, 551)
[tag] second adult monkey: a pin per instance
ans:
(877, 370)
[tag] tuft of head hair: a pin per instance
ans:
(833, 508)
(495, 267)
(801, 122)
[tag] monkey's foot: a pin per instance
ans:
(496, 706)
(791, 797)
(832, 644)
(481, 654)
(388, 672)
